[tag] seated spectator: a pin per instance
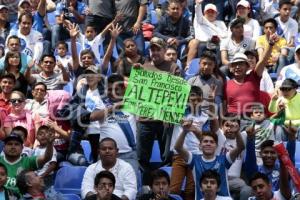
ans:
(126, 185)
(278, 58)
(46, 172)
(20, 117)
(12, 65)
(210, 182)
(104, 185)
(171, 54)
(251, 26)
(262, 187)
(173, 27)
(32, 39)
(208, 159)
(68, 12)
(13, 160)
(287, 26)
(289, 99)
(237, 43)
(7, 85)
(160, 186)
(32, 186)
(127, 59)
(6, 194)
(208, 30)
(4, 24)
(291, 71)
(53, 81)
(14, 45)
(266, 83)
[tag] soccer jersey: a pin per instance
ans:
(13, 169)
(220, 164)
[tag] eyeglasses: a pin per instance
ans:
(16, 101)
(285, 89)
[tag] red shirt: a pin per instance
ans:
(4, 103)
(240, 96)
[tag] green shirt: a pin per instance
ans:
(28, 163)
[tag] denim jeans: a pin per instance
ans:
(58, 33)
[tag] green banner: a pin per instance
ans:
(156, 95)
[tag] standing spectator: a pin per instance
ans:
(31, 40)
(12, 6)
(278, 58)
(220, 5)
(102, 12)
(4, 24)
(72, 11)
(126, 185)
(133, 12)
(13, 161)
(32, 187)
(104, 185)
(287, 27)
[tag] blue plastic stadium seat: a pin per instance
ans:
(297, 155)
(155, 156)
(193, 68)
(154, 19)
(175, 196)
(71, 197)
(169, 171)
(68, 180)
(87, 150)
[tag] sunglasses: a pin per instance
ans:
(285, 89)
(16, 101)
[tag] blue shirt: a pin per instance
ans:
(220, 164)
(81, 7)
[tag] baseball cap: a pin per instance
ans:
(159, 42)
(13, 136)
(289, 83)
(23, 1)
(237, 21)
(210, 6)
(91, 70)
(3, 6)
(243, 3)
(239, 57)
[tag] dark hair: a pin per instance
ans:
(173, 47)
(63, 43)
(39, 83)
(14, 37)
(43, 127)
(209, 55)
(231, 117)
(252, 53)
(9, 55)
(4, 167)
(258, 106)
(211, 174)
(116, 78)
(271, 20)
(108, 139)
(48, 55)
(26, 14)
(159, 173)
(174, 1)
(266, 143)
(87, 51)
(210, 134)
(195, 90)
(283, 2)
(22, 181)
(21, 129)
(259, 175)
(9, 76)
(104, 174)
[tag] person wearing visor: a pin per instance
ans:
(287, 99)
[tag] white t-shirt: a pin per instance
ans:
(266, 83)
(289, 29)
(276, 196)
(38, 151)
(67, 59)
(32, 44)
(204, 29)
(93, 101)
(110, 128)
(251, 29)
(291, 71)
(232, 47)
(221, 198)
(269, 8)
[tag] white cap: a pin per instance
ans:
(243, 3)
(3, 6)
(23, 1)
(239, 57)
(210, 6)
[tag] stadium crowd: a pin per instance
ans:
(64, 69)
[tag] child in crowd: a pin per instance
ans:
(210, 184)
(62, 56)
(160, 186)
(22, 132)
(5, 194)
(47, 171)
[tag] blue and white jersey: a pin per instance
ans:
(221, 163)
